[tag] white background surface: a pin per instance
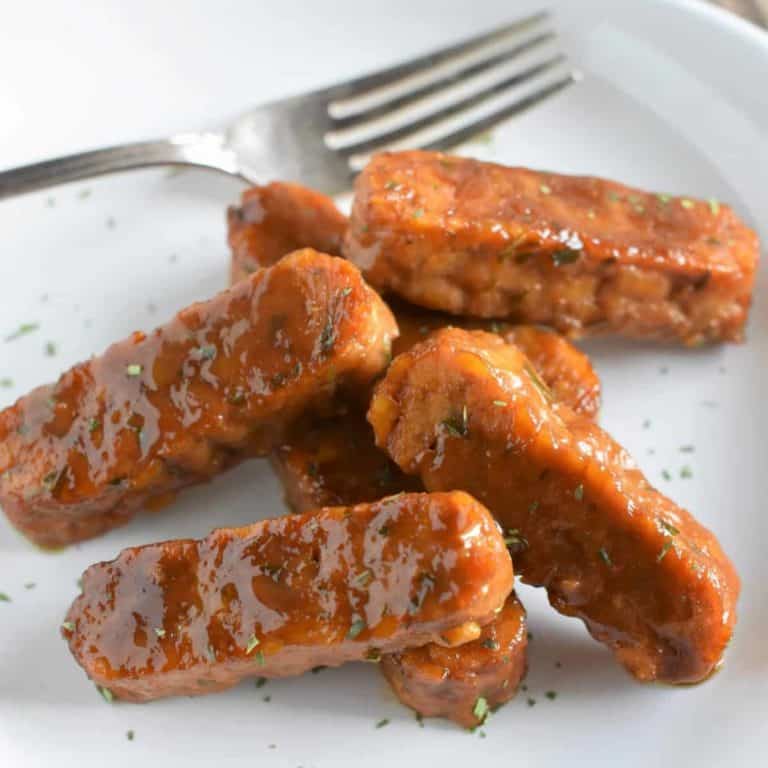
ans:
(674, 99)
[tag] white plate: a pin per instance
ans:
(674, 99)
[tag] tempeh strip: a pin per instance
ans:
(281, 596)
(161, 411)
(581, 254)
(465, 410)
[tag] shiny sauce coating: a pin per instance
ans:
(581, 254)
(464, 410)
(330, 461)
(160, 411)
(565, 369)
(281, 596)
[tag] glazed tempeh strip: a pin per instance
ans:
(160, 411)
(279, 597)
(581, 254)
(464, 410)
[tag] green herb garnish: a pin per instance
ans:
(159, 631)
(480, 710)
(260, 660)
(4, 598)
(663, 552)
(382, 722)
(391, 185)
(515, 541)
(686, 472)
(486, 137)
(236, 398)
(93, 425)
(533, 506)
(50, 480)
(6, 382)
(578, 493)
(531, 702)
(565, 256)
(50, 348)
(253, 641)
(491, 644)
(129, 735)
(208, 352)
(362, 578)
(357, 626)
(458, 426)
(22, 330)
(537, 382)
(328, 337)
(261, 682)
(420, 719)
(669, 528)
(545, 190)
(663, 199)
(106, 694)
(714, 206)
(134, 369)
(373, 655)
(30, 585)
(686, 203)
(665, 473)
(551, 695)
(418, 213)
(500, 403)
(604, 556)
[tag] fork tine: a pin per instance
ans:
(371, 145)
(451, 78)
(465, 133)
(360, 85)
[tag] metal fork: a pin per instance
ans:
(324, 137)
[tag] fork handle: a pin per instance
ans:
(206, 150)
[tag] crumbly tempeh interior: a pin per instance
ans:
(581, 254)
